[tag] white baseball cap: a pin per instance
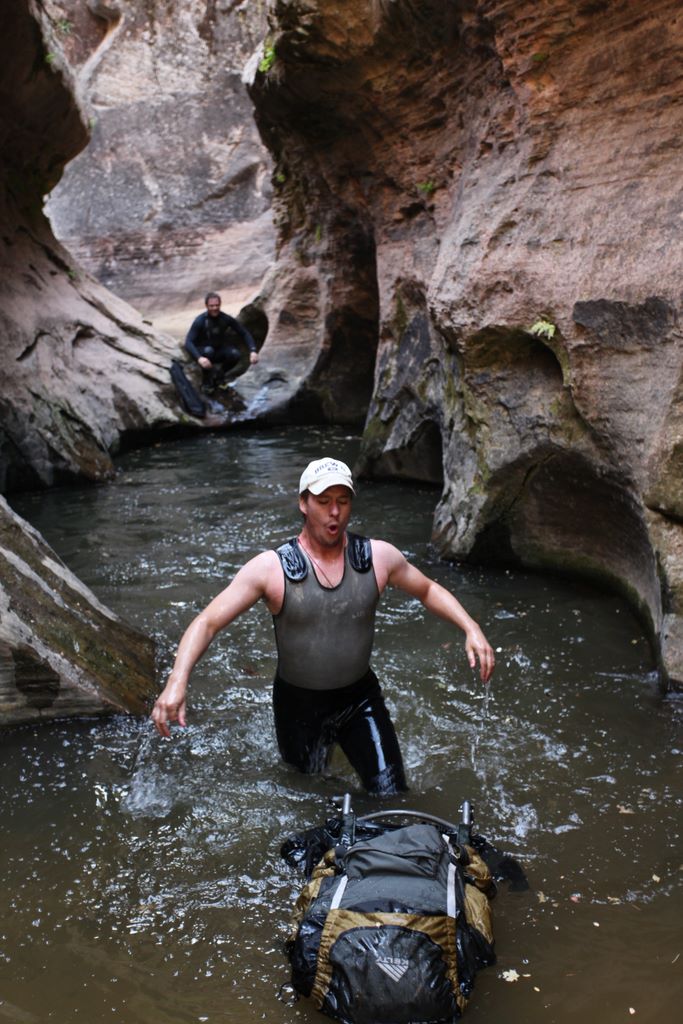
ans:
(324, 473)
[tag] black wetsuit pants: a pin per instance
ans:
(309, 722)
(223, 359)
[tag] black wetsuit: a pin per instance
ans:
(325, 691)
(220, 339)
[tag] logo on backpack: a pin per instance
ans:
(393, 967)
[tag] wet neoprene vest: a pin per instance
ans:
(324, 635)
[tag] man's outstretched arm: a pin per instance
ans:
(436, 599)
(250, 584)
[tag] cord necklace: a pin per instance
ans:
(316, 563)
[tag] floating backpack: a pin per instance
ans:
(392, 930)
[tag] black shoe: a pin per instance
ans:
(210, 380)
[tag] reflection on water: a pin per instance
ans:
(141, 876)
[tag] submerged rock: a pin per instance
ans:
(62, 653)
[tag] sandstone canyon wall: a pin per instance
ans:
(448, 175)
(80, 369)
(172, 196)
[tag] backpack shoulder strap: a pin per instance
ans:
(293, 563)
(360, 552)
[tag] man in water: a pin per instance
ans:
(215, 341)
(322, 590)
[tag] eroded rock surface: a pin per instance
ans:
(171, 199)
(62, 653)
(80, 372)
(80, 369)
(448, 176)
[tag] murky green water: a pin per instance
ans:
(141, 879)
